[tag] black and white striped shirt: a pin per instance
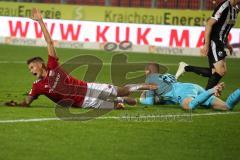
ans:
(226, 16)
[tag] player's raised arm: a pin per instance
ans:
(36, 15)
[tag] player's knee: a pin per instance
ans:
(221, 71)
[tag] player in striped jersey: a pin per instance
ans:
(216, 39)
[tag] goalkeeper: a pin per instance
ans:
(188, 95)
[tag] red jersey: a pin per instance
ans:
(59, 85)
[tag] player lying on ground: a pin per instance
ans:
(58, 85)
(188, 95)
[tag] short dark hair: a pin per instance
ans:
(35, 59)
(153, 67)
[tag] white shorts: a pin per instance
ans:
(97, 94)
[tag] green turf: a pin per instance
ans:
(197, 137)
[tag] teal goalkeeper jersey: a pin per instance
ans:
(164, 82)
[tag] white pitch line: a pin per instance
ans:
(116, 117)
(15, 62)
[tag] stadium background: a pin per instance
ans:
(179, 4)
(142, 132)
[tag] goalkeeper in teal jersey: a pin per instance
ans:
(188, 95)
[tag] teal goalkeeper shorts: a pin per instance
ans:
(180, 91)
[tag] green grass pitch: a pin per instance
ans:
(206, 134)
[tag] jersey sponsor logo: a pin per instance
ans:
(55, 83)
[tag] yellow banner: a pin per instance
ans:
(52, 11)
(144, 16)
(110, 14)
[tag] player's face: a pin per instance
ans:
(36, 68)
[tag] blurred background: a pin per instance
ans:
(173, 4)
(148, 24)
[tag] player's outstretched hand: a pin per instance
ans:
(36, 14)
(11, 103)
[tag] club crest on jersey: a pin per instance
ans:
(220, 53)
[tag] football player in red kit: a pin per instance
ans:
(53, 82)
